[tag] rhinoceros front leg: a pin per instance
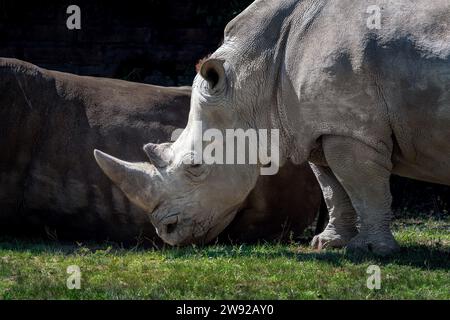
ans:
(341, 226)
(364, 171)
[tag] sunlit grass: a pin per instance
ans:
(266, 271)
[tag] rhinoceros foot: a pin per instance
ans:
(329, 238)
(379, 244)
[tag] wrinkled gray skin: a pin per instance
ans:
(359, 104)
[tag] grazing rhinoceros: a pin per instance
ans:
(359, 102)
(50, 123)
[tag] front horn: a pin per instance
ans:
(136, 180)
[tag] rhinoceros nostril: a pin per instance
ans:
(168, 224)
(171, 228)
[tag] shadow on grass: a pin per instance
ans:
(418, 256)
(39, 246)
(433, 257)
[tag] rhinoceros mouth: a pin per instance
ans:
(177, 230)
(214, 230)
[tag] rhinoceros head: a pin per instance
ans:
(190, 201)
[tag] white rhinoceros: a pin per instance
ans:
(359, 100)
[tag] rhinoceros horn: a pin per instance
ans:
(136, 180)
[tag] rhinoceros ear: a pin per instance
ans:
(213, 71)
(159, 154)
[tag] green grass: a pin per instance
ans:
(33, 270)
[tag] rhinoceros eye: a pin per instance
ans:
(197, 172)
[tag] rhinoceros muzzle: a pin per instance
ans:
(143, 183)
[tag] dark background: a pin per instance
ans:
(151, 41)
